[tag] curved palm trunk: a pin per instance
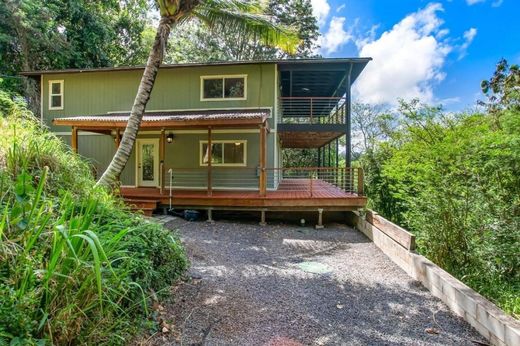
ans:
(155, 58)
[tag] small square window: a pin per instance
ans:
(55, 94)
(234, 153)
(234, 88)
(55, 101)
(56, 88)
(216, 153)
(213, 88)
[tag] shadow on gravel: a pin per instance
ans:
(249, 289)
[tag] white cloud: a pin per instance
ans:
(473, 2)
(496, 3)
(335, 37)
(469, 36)
(407, 59)
(320, 9)
(342, 7)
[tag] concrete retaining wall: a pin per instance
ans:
(484, 316)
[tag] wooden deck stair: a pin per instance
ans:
(145, 205)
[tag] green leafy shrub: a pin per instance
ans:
(454, 181)
(75, 266)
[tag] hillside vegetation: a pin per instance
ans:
(454, 181)
(75, 266)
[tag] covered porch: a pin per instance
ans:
(256, 185)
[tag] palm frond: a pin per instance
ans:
(248, 20)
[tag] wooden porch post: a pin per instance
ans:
(118, 138)
(162, 148)
(117, 142)
(263, 178)
(74, 139)
(210, 192)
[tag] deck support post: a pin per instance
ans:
(210, 155)
(263, 178)
(74, 139)
(336, 175)
(320, 219)
(210, 216)
(162, 148)
(262, 218)
(348, 142)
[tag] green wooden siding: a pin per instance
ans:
(183, 153)
(91, 93)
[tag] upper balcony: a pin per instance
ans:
(313, 104)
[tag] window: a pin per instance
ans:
(215, 88)
(55, 94)
(224, 153)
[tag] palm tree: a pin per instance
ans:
(245, 17)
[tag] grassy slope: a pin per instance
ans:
(75, 266)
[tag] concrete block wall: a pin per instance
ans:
(489, 320)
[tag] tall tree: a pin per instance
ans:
(246, 19)
(370, 125)
(194, 42)
(55, 34)
(502, 90)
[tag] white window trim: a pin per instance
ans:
(202, 78)
(201, 153)
(61, 94)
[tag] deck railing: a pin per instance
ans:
(320, 181)
(304, 182)
(312, 110)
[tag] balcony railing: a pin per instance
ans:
(312, 110)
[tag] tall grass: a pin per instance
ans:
(75, 266)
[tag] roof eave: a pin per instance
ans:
(217, 63)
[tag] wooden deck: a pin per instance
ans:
(292, 194)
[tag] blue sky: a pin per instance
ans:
(438, 51)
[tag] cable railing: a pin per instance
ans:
(219, 178)
(321, 181)
(312, 110)
(294, 182)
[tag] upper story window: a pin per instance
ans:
(218, 88)
(55, 94)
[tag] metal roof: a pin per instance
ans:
(361, 60)
(170, 118)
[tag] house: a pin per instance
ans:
(213, 134)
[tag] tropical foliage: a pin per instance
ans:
(193, 42)
(57, 34)
(246, 19)
(454, 181)
(75, 266)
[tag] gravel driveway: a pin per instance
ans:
(288, 285)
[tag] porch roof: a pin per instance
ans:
(171, 119)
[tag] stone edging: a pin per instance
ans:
(484, 316)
